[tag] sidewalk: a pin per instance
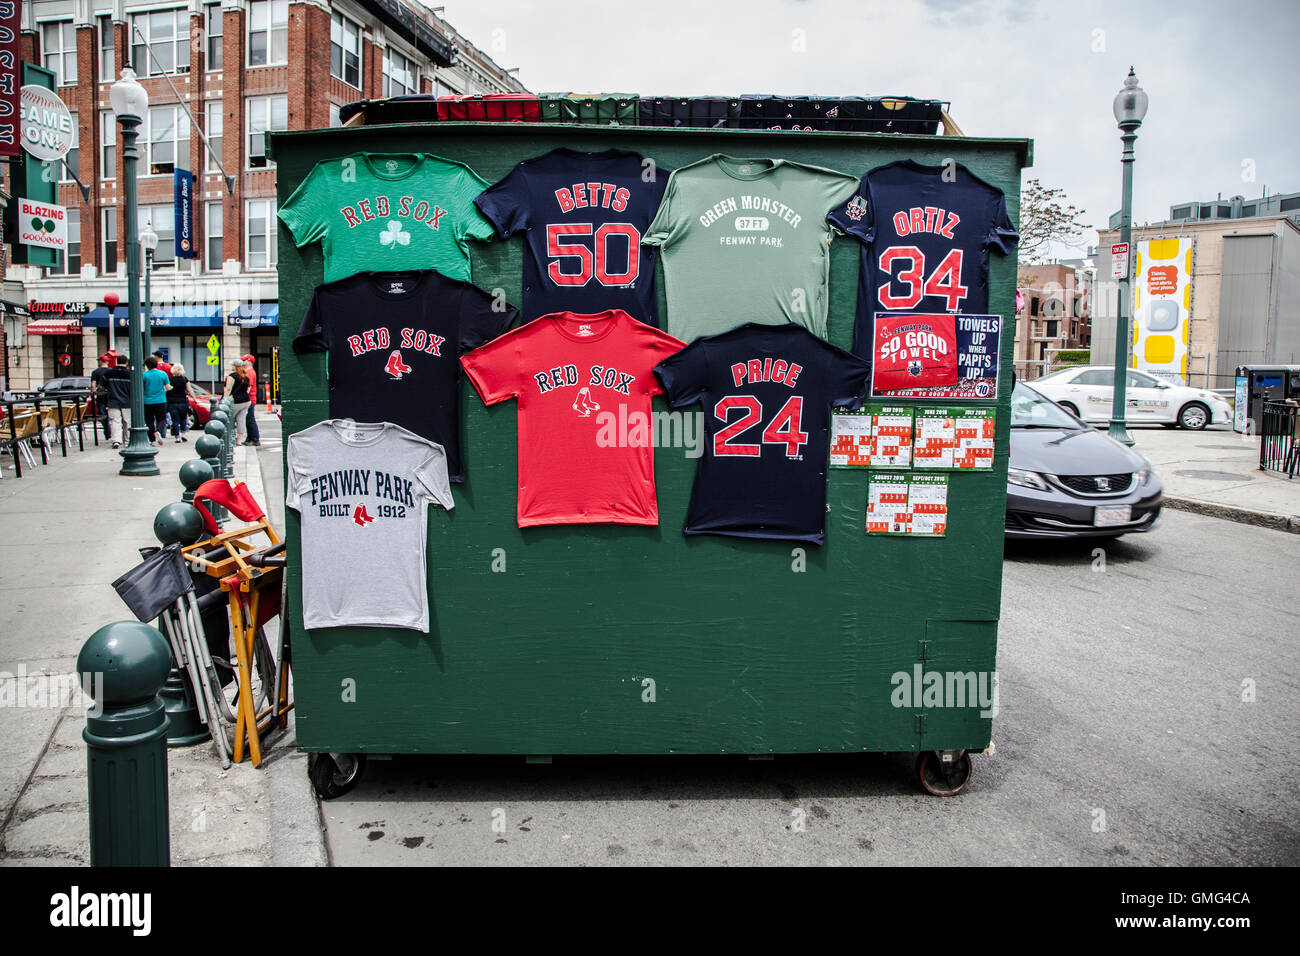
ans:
(1216, 472)
(67, 531)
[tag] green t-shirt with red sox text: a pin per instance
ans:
(389, 212)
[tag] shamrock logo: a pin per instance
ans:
(394, 235)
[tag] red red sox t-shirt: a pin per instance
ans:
(584, 385)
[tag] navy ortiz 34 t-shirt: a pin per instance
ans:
(394, 341)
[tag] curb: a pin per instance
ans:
(1262, 519)
(297, 835)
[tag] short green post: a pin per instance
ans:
(192, 474)
(180, 523)
(124, 665)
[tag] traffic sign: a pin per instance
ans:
(213, 360)
(214, 346)
(1119, 260)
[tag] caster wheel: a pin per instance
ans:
(941, 779)
(333, 775)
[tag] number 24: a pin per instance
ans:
(784, 429)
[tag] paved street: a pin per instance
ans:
(1123, 738)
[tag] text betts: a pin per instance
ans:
(407, 208)
(584, 195)
(372, 340)
(926, 219)
(766, 370)
(567, 375)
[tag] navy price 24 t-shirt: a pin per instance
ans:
(394, 341)
(767, 391)
(583, 216)
(926, 233)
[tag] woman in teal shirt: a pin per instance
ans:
(156, 384)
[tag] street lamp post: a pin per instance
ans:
(149, 241)
(130, 101)
(1130, 107)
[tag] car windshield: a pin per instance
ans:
(1031, 410)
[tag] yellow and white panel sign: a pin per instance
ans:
(1162, 307)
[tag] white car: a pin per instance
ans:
(1086, 391)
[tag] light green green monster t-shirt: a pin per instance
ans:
(389, 211)
(746, 240)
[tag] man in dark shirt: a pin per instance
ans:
(99, 389)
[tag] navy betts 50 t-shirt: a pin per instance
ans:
(394, 341)
(583, 216)
(926, 233)
(767, 392)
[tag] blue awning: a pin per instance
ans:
(253, 314)
(162, 317)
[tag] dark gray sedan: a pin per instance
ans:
(1067, 479)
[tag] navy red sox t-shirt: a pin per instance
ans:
(583, 216)
(927, 232)
(394, 341)
(767, 392)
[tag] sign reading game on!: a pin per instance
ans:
(10, 131)
(47, 124)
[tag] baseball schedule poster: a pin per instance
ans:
(954, 438)
(907, 503)
(876, 436)
(970, 373)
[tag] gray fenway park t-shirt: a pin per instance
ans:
(363, 491)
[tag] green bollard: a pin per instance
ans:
(126, 755)
(223, 416)
(194, 473)
(180, 523)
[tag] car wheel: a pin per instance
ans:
(193, 420)
(1194, 416)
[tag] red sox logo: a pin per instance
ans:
(584, 405)
(857, 208)
(360, 516)
(396, 367)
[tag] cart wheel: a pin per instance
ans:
(940, 779)
(336, 774)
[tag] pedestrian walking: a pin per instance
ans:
(118, 381)
(178, 402)
(155, 400)
(237, 391)
(254, 433)
(99, 389)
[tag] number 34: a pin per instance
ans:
(943, 283)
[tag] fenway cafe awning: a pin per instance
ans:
(163, 317)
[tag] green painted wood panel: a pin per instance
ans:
(746, 654)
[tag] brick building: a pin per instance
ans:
(242, 67)
(1057, 314)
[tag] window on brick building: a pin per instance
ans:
(345, 50)
(70, 261)
(169, 139)
(401, 78)
(268, 32)
(160, 42)
(163, 220)
(214, 125)
(107, 146)
(265, 114)
(213, 26)
(71, 165)
(259, 234)
(59, 51)
(213, 222)
(107, 59)
(108, 243)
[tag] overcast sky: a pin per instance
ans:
(1222, 78)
